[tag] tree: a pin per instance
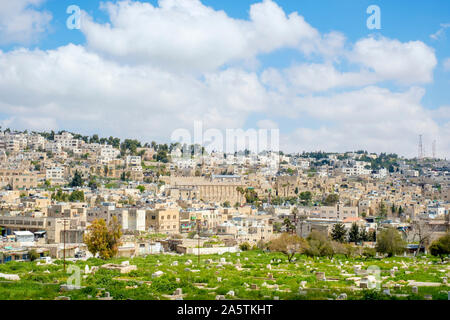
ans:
(353, 234)
(305, 197)
(339, 233)
(390, 242)
(382, 210)
(93, 184)
(33, 254)
(141, 188)
(331, 199)
(76, 196)
(441, 247)
(77, 180)
(368, 252)
(363, 235)
(288, 244)
(372, 236)
(422, 231)
(319, 245)
(244, 246)
(104, 239)
(289, 226)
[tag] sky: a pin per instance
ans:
(311, 68)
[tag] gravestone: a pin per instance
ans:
(342, 296)
(178, 292)
(86, 269)
(157, 274)
(415, 290)
(320, 276)
(428, 297)
(230, 293)
(175, 263)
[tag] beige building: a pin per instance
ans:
(162, 220)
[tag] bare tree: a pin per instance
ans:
(423, 231)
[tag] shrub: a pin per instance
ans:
(244, 246)
(319, 245)
(390, 242)
(441, 247)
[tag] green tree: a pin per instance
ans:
(441, 247)
(331, 200)
(141, 189)
(390, 242)
(319, 245)
(104, 239)
(363, 235)
(288, 244)
(353, 234)
(93, 184)
(382, 210)
(76, 195)
(288, 225)
(305, 197)
(339, 233)
(77, 180)
(33, 254)
(244, 246)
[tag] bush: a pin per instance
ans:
(369, 252)
(33, 255)
(390, 242)
(244, 246)
(441, 247)
(319, 245)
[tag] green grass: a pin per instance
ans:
(43, 281)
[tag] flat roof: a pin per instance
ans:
(23, 233)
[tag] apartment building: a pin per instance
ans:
(163, 220)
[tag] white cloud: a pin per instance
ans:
(187, 35)
(372, 118)
(156, 69)
(267, 124)
(447, 64)
(407, 63)
(440, 34)
(80, 90)
(21, 22)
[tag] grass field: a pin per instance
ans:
(239, 274)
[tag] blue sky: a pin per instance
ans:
(407, 22)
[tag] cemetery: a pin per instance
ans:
(248, 275)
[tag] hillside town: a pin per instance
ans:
(166, 200)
